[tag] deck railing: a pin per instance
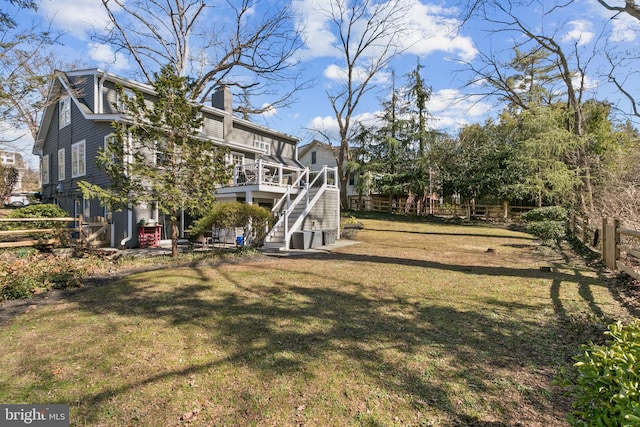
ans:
(265, 173)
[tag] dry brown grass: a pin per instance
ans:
(416, 325)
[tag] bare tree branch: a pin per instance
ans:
(630, 7)
(241, 47)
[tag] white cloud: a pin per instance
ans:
(452, 109)
(315, 29)
(580, 31)
(337, 73)
(436, 31)
(106, 58)
(328, 125)
(75, 16)
(433, 30)
(625, 29)
(269, 110)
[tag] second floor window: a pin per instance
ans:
(64, 111)
(7, 158)
(314, 158)
(78, 159)
(121, 98)
(61, 176)
(264, 146)
(45, 169)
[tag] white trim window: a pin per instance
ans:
(7, 158)
(45, 169)
(120, 101)
(61, 170)
(64, 112)
(235, 159)
(264, 146)
(78, 159)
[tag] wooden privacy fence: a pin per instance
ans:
(62, 231)
(619, 247)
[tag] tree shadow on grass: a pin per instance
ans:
(264, 329)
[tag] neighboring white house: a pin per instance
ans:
(13, 159)
(315, 155)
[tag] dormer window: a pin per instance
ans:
(264, 146)
(126, 94)
(64, 112)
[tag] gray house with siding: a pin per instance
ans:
(77, 123)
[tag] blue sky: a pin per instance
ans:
(439, 43)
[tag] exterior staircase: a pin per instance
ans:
(295, 205)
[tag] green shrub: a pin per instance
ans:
(548, 213)
(548, 231)
(606, 386)
(228, 215)
(548, 223)
(40, 211)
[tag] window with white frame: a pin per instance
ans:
(314, 157)
(61, 175)
(82, 207)
(235, 159)
(78, 159)
(162, 155)
(7, 158)
(45, 169)
(264, 146)
(122, 97)
(64, 112)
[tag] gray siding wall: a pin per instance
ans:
(84, 87)
(66, 192)
(325, 215)
(247, 136)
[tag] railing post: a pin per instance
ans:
(616, 246)
(610, 241)
(605, 239)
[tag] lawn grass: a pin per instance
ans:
(417, 324)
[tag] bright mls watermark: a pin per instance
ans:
(54, 415)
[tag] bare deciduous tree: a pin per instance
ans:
(235, 45)
(369, 35)
(26, 65)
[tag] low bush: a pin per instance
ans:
(24, 275)
(547, 213)
(606, 381)
(229, 215)
(548, 223)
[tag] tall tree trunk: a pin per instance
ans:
(174, 236)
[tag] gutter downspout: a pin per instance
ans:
(100, 108)
(126, 240)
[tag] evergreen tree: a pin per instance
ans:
(158, 157)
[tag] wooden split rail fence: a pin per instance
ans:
(455, 210)
(618, 246)
(64, 231)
